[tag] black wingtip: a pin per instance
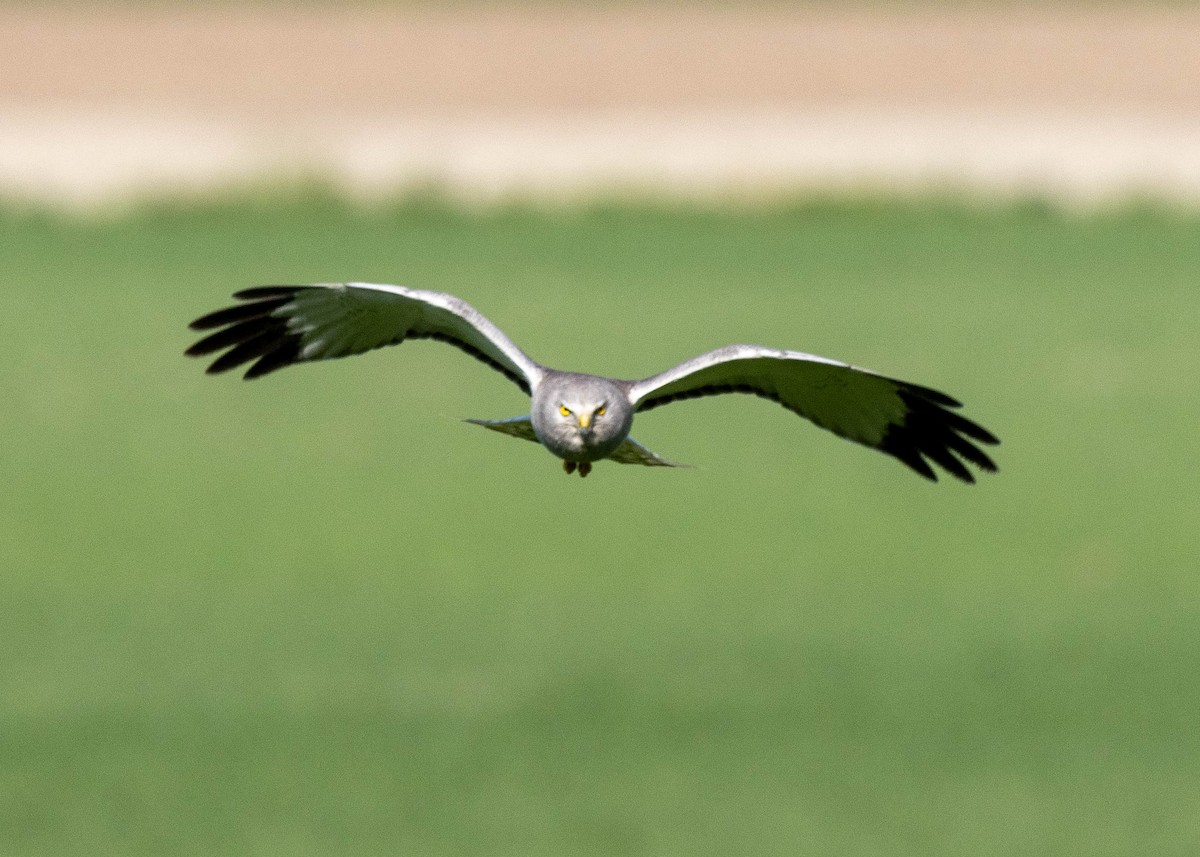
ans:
(285, 355)
(238, 313)
(251, 331)
(908, 455)
(931, 434)
(931, 395)
(921, 468)
(260, 292)
(944, 458)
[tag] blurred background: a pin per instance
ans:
(318, 615)
(564, 98)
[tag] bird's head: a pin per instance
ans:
(582, 415)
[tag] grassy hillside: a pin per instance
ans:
(317, 615)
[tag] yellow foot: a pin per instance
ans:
(585, 467)
(569, 466)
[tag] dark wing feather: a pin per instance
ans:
(277, 326)
(240, 312)
(912, 423)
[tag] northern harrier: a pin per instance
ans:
(586, 418)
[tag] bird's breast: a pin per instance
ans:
(574, 445)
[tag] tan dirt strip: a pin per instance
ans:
(101, 103)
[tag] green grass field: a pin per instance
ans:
(317, 615)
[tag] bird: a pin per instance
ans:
(583, 419)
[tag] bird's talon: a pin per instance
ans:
(585, 467)
(569, 466)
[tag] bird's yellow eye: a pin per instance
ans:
(600, 411)
(564, 410)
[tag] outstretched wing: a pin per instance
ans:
(908, 421)
(521, 427)
(632, 452)
(277, 326)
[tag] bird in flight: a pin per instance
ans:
(581, 418)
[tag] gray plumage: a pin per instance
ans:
(586, 418)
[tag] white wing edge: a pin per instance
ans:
(528, 367)
(639, 390)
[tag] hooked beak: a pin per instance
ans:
(585, 420)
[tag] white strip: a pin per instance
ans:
(88, 158)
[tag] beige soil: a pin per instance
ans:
(97, 102)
